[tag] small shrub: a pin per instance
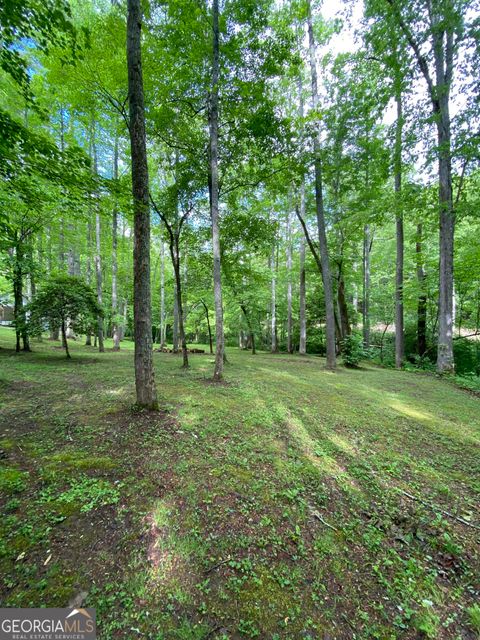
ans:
(12, 480)
(352, 350)
(474, 615)
(90, 493)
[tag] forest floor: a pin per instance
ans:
(290, 502)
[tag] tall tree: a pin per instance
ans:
(444, 24)
(144, 372)
(319, 205)
(399, 333)
(214, 195)
(115, 327)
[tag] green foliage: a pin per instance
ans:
(90, 493)
(64, 299)
(474, 615)
(352, 350)
(12, 480)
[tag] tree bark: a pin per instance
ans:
(214, 209)
(399, 321)
(207, 316)
(175, 319)
(98, 273)
(88, 338)
(251, 332)
(322, 235)
(18, 309)
(64, 340)
(144, 372)
(175, 254)
(273, 302)
(162, 295)
(445, 362)
(422, 297)
(289, 287)
(345, 328)
(366, 286)
(115, 328)
(302, 349)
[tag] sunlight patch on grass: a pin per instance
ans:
(312, 451)
(409, 411)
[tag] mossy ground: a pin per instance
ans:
(270, 507)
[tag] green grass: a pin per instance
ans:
(268, 507)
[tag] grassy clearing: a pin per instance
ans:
(269, 507)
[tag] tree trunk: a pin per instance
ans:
(422, 297)
(54, 331)
(445, 362)
(162, 295)
(214, 210)
(98, 273)
(144, 373)
(289, 287)
(18, 309)
(88, 338)
(251, 332)
(175, 254)
(366, 286)
(441, 17)
(64, 340)
(175, 319)
(322, 235)
(210, 340)
(399, 327)
(302, 349)
(115, 328)
(302, 293)
(345, 328)
(273, 304)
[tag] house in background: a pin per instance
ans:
(6, 314)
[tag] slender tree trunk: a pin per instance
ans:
(88, 338)
(289, 287)
(302, 302)
(422, 297)
(251, 332)
(64, 340)
(322, 235)
(98, 273)
(144, 372)
(175, 254)
(162, 295)
(175, 319)
(214, 209)
(207, 316)
(366, 286)
(399, 328)
(54, 331)
(18, 309)
(273, 304)
(345, 328)
(303, 318)
(115, 328)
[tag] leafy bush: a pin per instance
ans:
(352, 350)
(90, 493)
(12, 480)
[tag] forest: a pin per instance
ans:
(240, 316)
